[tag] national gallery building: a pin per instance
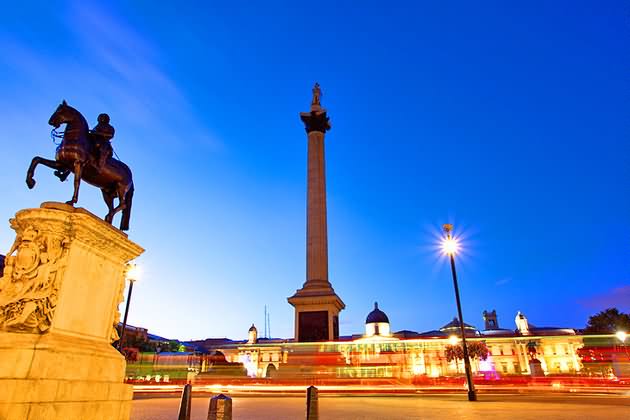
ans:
(380, 353)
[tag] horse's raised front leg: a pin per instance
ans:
(30, 181)
(78, 168)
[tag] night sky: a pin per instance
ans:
(509, 121)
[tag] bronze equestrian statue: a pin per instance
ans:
(88, 155)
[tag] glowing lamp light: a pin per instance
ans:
(453, 339)
(133, 272)
(450, 246)
(622, 335)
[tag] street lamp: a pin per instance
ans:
(621, 336)
(132, 273)
(450, 246)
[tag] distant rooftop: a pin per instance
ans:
(454, 325)
(406, 334)
(154, 337)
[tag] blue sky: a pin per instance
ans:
(508, 120)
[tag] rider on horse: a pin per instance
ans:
(85, 153)
(102, 134)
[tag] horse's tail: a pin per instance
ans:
(126, 213)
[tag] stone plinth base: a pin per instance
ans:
(59, 296)
(53, 376)
(316, 315)
(536, 369)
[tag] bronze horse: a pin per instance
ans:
(76, 154)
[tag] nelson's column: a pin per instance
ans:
(316, 304)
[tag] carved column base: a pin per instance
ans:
(59, 297)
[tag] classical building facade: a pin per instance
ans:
(408, 355)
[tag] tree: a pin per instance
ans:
(608, 321)
(454, 353)
(476, 350)
(171, 346)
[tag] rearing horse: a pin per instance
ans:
(76, 154)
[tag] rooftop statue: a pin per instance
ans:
(88, 155)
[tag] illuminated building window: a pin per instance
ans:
(504, 367)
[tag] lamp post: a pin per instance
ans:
(450, 247)
(621, 336)
(132, 275)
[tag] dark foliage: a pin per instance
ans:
(608, 322)
(476, 350)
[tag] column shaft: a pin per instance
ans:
(317, 228)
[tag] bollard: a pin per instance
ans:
(220, 408)
(312, 405)
(184, 405)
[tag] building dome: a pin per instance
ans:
(252, 335)
(376, 316)
(377, 323)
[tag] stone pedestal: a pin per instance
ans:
(63, 280)
(316, 315)
(536, 369)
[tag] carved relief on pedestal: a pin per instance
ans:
(29, 287)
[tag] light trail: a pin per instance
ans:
(556, 387)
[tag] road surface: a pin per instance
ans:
(493, 407)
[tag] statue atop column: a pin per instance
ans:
(317, 93)
(316, 119)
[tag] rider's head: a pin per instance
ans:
(103, 119)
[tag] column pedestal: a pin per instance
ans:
(63, 280)
(316, 315)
